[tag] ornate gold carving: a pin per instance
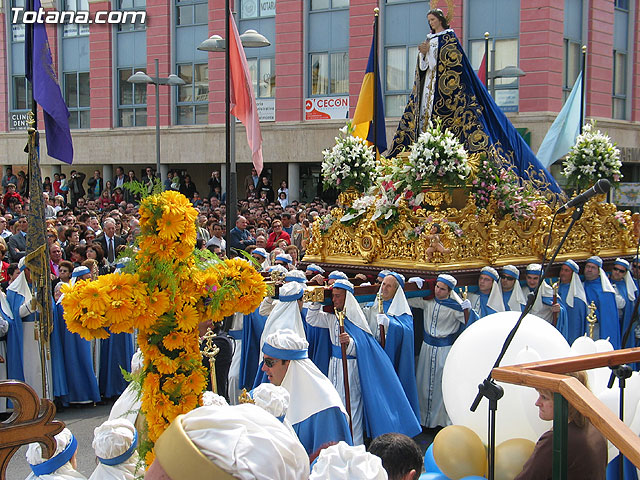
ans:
(347, 197)
(486, 240)
(313, 294)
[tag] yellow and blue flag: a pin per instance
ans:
(46, 90)
(364, 119)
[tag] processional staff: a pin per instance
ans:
(340, 314)
(210, 351)
(381, 311)
(465, 294)
(555, 301)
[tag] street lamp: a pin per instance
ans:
(216, 43)
(171, 80)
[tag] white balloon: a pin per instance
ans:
(528, 396)
(470, 360)
(601, 375)
(586, 346)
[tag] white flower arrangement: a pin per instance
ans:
(592, 157)
(437, 157)
(357, 209)
(350, 163)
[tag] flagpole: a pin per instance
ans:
(376, 13)
(227, 124)
(486, 58)
(582, 99)
(28, 45)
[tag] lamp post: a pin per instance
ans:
(171, 80)
(215, 43)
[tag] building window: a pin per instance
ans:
(329, 73)
(619, 85)
(77, 98)
(328, 4)
(17, 29)
(136, 5)
(263, 76)
(132, 100)
(622, 4)
(21, 98)
(192, 12)
(73, 29)
(257, 8)
(193, 96)
(398, 79)
(572, 64)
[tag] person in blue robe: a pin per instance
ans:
(626, 293)
(397, 320)
(377, 400)
(447, 89)
(316, 411)
(115, 353)
(573, 299)
(81, 378)
(488, 299)
(598, 289)
(23, 350)
(252, 327)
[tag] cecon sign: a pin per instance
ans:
(326, 108)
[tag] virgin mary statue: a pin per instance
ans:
(447, 89)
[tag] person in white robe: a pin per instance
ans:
(61, 466)
(341, 462)
(241, 442)
(443, 320)
(115, 443)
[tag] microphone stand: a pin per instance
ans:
(488, 388)
(622, 372)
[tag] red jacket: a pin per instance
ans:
(272, 240)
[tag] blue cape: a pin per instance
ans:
(15, 365)
(606, 311)
(115, 353)
(400, 350)
(386, 408)
(576, 315)
(329, 425)
(319, 344)
(252, 328)
(81, 380)
(627, 312)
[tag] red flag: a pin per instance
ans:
(483, 70)
(243, 100)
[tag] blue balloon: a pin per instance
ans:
(433, 476)
(430, 465)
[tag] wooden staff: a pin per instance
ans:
(381, 311)
(555, 301)
(345, 370)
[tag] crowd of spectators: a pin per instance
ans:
(82, 215)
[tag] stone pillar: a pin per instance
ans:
(223, 175)
(107, 173)
(293, 180)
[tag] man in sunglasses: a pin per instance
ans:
(316, 411)
(512, 295)
(626, 293)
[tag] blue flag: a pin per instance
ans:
(46, 91)
(564, 130)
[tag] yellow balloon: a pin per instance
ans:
(459, 452)
(511, 456)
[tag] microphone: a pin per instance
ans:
(601, 186)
